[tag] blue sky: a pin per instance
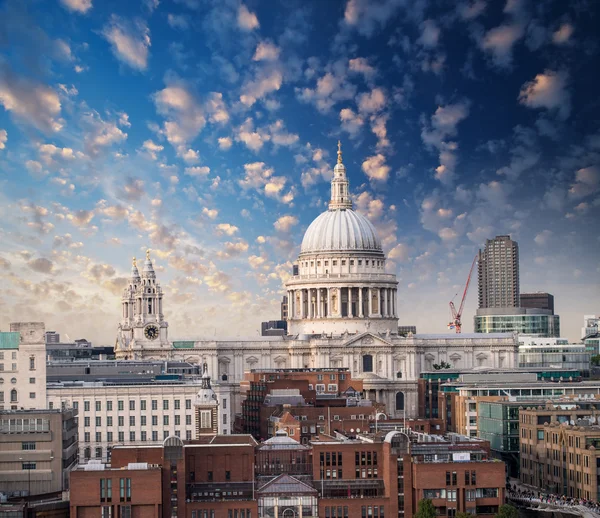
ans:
(206, 131)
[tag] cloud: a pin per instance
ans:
(33, 103)
(210, 213)
(371, 102)
(266, 51)
(79, 6)
(366, 16)
(100, 133)
(3, 138)
(362, 66)
(253, 139)
(285, 223)
(430, 34)
(376, 168)
(184, 114)
(216, 109)
(499, 41)
(264, 82)
(152, 149)
(351, 122)
(587, 181)
(41, 265)
(233, 249)
(262, 179)
(178, 21)
(330, 89)
(198, 171)
(130, 41)
(133, 189)
(548, 90)
(226, 228)
(246, 20)
(225, 143)
(444, 125)
(543, 237)
(34, 167)
(471, 11)
(562, 36)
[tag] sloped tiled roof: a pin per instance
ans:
(286, 485)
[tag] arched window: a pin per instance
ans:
(367, 363)
(98, 453)
(399, 400)
(13, 396)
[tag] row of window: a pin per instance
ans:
(132, 421)
(106, 489)
(14, 365)
(14, 396)
(133, 436)
(124, 511)
(375, 511)
(343, 261)
(132, 405)
(452, 478)
(336, 512)
(13, 355)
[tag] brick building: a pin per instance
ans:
(560, 447)
(337, 476)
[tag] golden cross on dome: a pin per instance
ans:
(148, 254)
(134, 262)
(339, 152)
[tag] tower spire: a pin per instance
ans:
(340, 187)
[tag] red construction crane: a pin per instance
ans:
(456, 323)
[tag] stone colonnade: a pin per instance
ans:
(345, 302)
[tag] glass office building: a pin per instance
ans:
(541, 323)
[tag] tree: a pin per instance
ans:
(462, 514)
(507, 511)
(595, 360)
(426, 509)
(442, 365)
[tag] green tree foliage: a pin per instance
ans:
(595, 360)
(507, 511)
(442, 365)
(462, 514)
(426, 509)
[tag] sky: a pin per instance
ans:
(206, 131)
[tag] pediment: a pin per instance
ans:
(252, 360)
(367, 339)
(279, 359)
(481, 356)
(455, 357)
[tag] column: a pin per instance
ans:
(360, 302)
(319, 310)
(302, 304)
(370, 305)
(350, 302)
(309, 308)
(329, 302)
(395, 302)
(384, 313)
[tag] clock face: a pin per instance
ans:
(151, 332)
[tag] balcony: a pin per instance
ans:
(358, 277)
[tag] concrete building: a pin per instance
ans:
(38, 450)
(52, 337)
(130, 411)
(535, 322)
(406, 330)
(23, 366)
(537, 300)
(273, 328)
(559, 446)
(342, 312)
(553, 353)
(498, 273)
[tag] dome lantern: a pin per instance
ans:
(340, 187)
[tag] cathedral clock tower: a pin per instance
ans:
(142, 332)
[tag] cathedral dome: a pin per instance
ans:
(340, 231)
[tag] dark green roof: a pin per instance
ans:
(9, 340)
(183, 344)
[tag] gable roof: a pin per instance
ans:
(367, 338)
(286, 485)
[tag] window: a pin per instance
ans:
(225, 420)
(109, 436)
(143, 420)
(125, 511)
(86, 437)
(109, 420)
(154, 420)
(143, 436)
(188, 420)
(32, 381)
(177, 420)
(155, 435)
(165, 404)
(332, 387)
(28, 445)
(120, 405)
(125, 489)
(13, 396)
(121, 420)
(228, 475)
(86, 406)
(106, 511)
(32, 395)
(98, 421)
(86, 421)
(28, 465)
(98, 436)
(131, 420)
(131, 404)
(188, 404)
(98, 453)
(154, 404)
(205, 419)
(109, 406)
(177, 404)
(32, 363)
(166, 420)
(121, 436)
(367, 363)
(224, 403)
(142, 406)
(105, 489)
(132, 436)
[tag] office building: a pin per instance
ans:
(407, 330)
(590, 334)
(284, 308)
(273, 328)
(535, 322)
(346, 475)
(23, 366)
(560, 448)
(553, 353)
(498, 273)
(52, 337)
(539, 300)
(38, 450)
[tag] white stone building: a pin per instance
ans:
(23, 367)
(343, 312)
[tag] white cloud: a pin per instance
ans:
(34, 167)
(471, 11)
(54, 156)
(100, 133)
(178, 21)
(184, 114)
(329, 90)
(34, 103)
(430, 34)
(152, 149)
(246, 19)
(369, 15)
(225, 143)
(499, 42)
(130, 41)
(264, 82)
(376, 168)
(210, 213)
(198, 171)
(362, 66)
(266, 51)
(80, 6)
(285, 223)
(562, 36)
(216, 109)
(351, 122)
(371, 102)
(191, 156)
(548, 90)
(587, 181)
(253, 139)
(543, 237)
(3, 138)
(226, 228)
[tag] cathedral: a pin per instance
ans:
(342, 313)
